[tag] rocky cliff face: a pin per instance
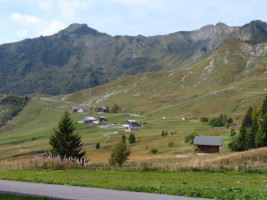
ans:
(80, 57)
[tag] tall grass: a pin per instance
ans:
(46, 162)
(252, 160)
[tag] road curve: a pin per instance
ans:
(79, 193)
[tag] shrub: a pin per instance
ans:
(97, 146)
(131, 138)
(115, 108)
(119, 154)
(170, 144)
(190, 138)
(204, 119)
(153, 151)
(233, 133)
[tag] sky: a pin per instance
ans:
(20, 19)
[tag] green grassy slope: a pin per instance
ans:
(228, 81)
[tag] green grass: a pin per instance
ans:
(19, 197)
(220, 185)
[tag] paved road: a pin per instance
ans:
(79, 193)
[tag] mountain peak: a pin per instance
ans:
(254, 32)
(80, 29)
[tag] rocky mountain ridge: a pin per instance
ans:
(80, 57)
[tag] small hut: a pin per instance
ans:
(208, 144)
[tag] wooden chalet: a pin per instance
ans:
(131, 129)
(208, 144)
(101, 109)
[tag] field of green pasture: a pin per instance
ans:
(28, 133)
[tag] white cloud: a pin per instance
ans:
(50, 27)
(25, 19)
(33, 26)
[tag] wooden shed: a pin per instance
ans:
(208, 144)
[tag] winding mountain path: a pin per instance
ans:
(79, 193)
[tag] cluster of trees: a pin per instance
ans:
(253, 131)
(222, 120)
(165, 133)
(14, 104)
(67, 144)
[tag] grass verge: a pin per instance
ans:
(217, 185)
(17, 197)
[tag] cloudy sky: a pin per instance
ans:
(20, 19)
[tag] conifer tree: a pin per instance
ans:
(65, 142)
(131, 138)
(123, 139)
(261, 135)
(264, 106)
(97, 146)
(243, 138)
(162, 133)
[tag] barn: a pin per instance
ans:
(208, 144)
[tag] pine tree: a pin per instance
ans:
(131, 138)
(261, 136)
(248, 119)
(119, 154)
(264, 106)
(162, 133)
(243, 137)
(253, 130)
(97, 146)
(166, 133)
(123, 139)
(65, 142)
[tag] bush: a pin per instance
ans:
(115, 108)
(119, 154)
(131, 138)
(97, 146)
(190, 138)
(170, 144)
(233, 133)
(204, 119)
(154, 151)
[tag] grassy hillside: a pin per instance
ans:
(228, 81)
(80, 57)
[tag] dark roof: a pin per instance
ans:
(209, 141)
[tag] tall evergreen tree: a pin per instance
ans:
(242, 137)
(123, 138)
(248, 119)
(256, 113)
(131, 138)
(65, 142)
(261, 136)
(264, 106)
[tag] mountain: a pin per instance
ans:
(80, 57)
(228, 81)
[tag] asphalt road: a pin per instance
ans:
(79, 193)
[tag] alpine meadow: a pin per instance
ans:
(85, 108)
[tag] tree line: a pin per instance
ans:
(253, 130)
